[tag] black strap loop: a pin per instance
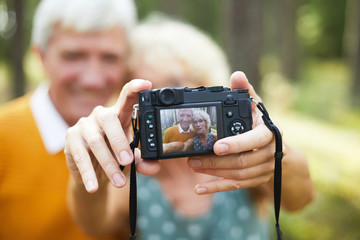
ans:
(133, 186)
(278, 163)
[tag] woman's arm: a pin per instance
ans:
(297, 186)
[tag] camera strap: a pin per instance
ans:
(277, 172)
(278, 163)
(133, 187)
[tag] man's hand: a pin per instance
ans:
(99, 143)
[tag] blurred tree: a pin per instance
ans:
(242, 25)
(17, 48)
(331, 17)
(15, 32)
(286, 36)
(352, 46)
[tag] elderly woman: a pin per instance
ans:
(204, 139)
(174, 195)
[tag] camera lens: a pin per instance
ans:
(167, 96)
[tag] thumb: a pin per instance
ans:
(238, 80)
(128, 97)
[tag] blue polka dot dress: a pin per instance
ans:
(209, 146)
(233, 217)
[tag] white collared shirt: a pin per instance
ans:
(51, 125)
(182, 130)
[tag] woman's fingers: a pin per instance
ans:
(256, 138)
(234, 161)
(238, 80)
(221, 185)
(266, 168)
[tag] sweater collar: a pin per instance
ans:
(51, 125)
(182, 130)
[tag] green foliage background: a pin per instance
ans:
(314, 107)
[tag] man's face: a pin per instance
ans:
(84, 69)
(185, 118)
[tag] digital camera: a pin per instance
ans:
(182, 122)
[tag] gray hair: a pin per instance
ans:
(168, 43)
(204, 115)
(82, 16)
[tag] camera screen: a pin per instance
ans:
(188, 130)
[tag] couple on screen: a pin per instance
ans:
(192, 133)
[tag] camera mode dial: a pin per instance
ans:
(236, 127)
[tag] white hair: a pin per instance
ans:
(167, 43)
(82, 16)
(204, 116)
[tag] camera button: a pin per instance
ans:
(152, 145)
(237, 128)
(151, 126)
(216, 89)
(145, 98)
(229, 114)
(151, 135)
(230, 100)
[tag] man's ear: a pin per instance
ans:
(37, 50)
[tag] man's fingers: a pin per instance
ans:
(110, 124)
(253, 139)
(79, 161)
(97, 144)
(129, 97)
(146, 167)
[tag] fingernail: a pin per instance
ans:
(223, 148)
(90, 186)
(201, 190)
(125, 158)
(118, 180)
(195, 163)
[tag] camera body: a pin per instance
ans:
(171, 112)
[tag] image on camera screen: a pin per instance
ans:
(188, 129)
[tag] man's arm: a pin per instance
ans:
(101, 213)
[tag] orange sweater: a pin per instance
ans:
(172, 134)
(32, 182)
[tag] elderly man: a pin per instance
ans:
(182, 131)
(83, 48)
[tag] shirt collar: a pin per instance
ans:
(182, 130)
(51, 125)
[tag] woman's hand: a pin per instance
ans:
(96, 145)
(247, 160)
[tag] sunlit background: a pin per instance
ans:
(303, 57)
